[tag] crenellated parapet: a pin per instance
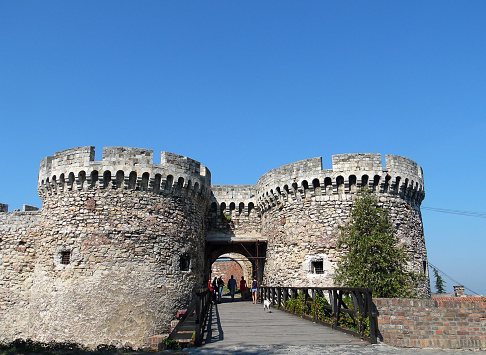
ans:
(123, 238)
(122, 168)
(231, 199)
(306, 179)
(233, 214)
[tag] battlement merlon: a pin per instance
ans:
(295, 169)
(350, 171)
(125, 159)
(356, 162)
(235, 192)
(404, 165)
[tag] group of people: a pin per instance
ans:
(216, 288)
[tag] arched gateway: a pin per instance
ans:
(121, 243)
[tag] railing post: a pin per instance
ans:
(306, 297)
(198, 308)
(314, 311)
(285, 297)
(335, 308)
(371, 318)
(295, 293)
(197, 336)
(279, 296)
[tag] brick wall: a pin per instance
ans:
(422, 323)
(227, 268)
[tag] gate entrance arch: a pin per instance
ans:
(220, 266)
(253, 252)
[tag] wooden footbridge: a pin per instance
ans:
(242, 323)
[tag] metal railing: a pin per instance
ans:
(348, 309)
(195, 317)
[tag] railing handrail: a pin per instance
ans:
(362, 316)
(201, 303)
(365, 289)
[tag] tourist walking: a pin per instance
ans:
(220, 288)
(215, 289)
(232, 287)
(243, 288)
(211, 291)
(254, 290)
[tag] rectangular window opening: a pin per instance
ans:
(65, 257)
(317, 267)
(185, 262)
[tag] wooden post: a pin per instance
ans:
(371, 318)
(335, 308)
(314, 314)
(306, 297)
(198, 335)
(295, 292)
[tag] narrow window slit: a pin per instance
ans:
(65, 257)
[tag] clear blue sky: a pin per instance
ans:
(245, 87)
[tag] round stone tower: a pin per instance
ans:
(302, 206)
(120, 246)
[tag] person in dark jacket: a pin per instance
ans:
(220, 288)
(254, 290)
(232, 287)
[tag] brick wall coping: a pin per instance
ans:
(461, 299)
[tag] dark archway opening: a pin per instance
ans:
(249, 255)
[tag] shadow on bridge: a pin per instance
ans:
(214, 331)
(242, 323)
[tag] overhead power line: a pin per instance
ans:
(457, 212)
(457, 282)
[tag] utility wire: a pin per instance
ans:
(457, 283)
(457, 212)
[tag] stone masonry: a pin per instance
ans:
(303, 205)
(119, 244)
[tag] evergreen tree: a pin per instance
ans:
(439, 281)
(372, 257)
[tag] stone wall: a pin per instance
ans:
(233, 214)
(452, 324)
(18, 233)
(120, 243)
(124, 276)
(117, 249)
(303, 206)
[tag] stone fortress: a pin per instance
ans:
(120, 244)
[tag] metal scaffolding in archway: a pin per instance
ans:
(253, 251)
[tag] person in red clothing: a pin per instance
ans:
(243, 288)
(211, 290)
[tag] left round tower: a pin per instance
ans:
(120, 246)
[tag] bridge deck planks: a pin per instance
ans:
(244, 323)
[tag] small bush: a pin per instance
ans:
(171, 344)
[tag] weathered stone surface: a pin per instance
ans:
(119, 244)
(124, 239)
(303, 205)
